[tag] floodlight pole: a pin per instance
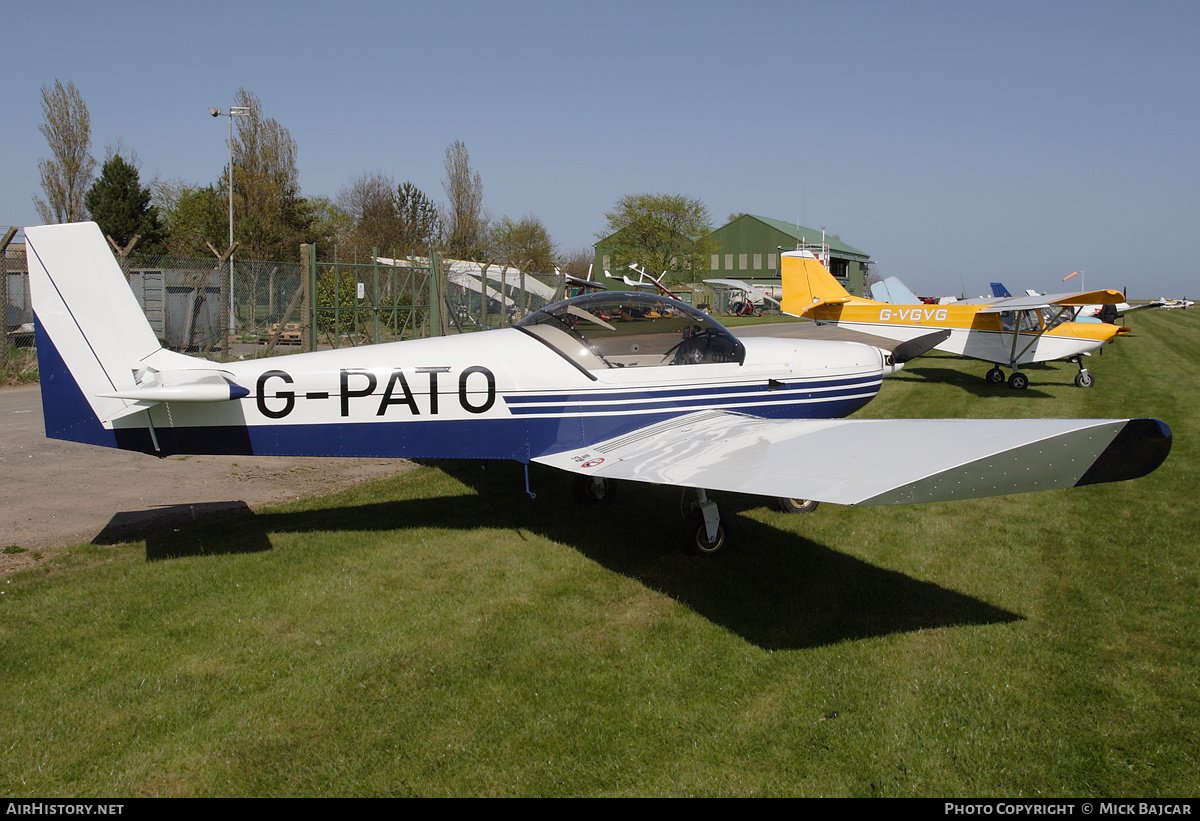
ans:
(234, 111)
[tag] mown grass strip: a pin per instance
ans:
(440, 633)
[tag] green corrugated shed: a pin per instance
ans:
(749, 246)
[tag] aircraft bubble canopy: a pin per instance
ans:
(622, 329)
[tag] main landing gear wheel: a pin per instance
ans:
(796, 505)
(995, 376)
(591, 490)
(1018, 381)
(695, 535)
(1083, 379)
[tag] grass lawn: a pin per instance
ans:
(441, 633)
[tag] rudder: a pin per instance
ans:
(91, 334)
(807, 283)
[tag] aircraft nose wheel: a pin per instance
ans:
(696, 541)
(705, 530)
(1018, 381)
(1083, 379)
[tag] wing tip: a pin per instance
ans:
(1140, 447)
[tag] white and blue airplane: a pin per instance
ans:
(607, 386)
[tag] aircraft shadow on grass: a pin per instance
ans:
(977, 385)
(130, 526)
(777, 590)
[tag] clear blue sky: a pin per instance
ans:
(954, 142)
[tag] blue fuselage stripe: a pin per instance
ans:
(636, 394)
(745, 403)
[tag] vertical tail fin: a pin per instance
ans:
(806, 283)
(91, 334)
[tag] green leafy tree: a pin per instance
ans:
(524, 244)
(330, 225)
(122, 207)
(419, 224)
(194, 217)
(66, 176)
(660, 232)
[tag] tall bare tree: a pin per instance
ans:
(464, 220)
(67, 175)
(272, 217)
(577, 263)
(368, 199)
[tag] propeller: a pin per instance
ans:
(915, 347)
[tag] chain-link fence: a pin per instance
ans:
(14, 296)
(479, 296)
(390, 299)
(383, 300)
(194, 304)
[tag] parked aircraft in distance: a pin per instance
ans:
(581, 285)
(592, 385)
(756, 295)
(644, 281)
(1008, 332)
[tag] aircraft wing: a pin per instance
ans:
(1032, 303)
(744, 286)
(875, 462)
(472, 284)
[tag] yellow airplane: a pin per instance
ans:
(1008, 332)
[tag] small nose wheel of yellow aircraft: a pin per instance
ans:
(1018, 381)
(1083, 379)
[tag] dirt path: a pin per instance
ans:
(54, 494)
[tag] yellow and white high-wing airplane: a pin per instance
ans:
(593, 385)
(1008, 332)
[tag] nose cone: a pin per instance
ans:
(1101, 332)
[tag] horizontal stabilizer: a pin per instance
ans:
(839, 300)
(182, 386)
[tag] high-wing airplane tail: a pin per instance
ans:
(806, 284)
(894, 292)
